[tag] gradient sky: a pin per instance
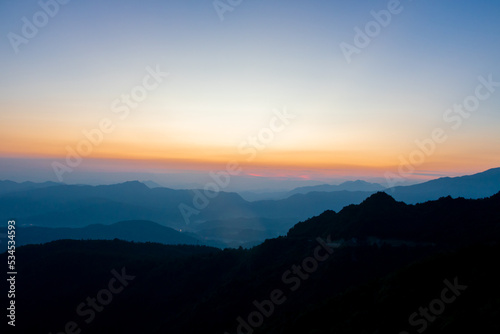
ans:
(352, 120)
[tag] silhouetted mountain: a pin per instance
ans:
(359, 287)
(138, 231)
(7, 186)
(80, 205)
(479, 185)
(446, 221)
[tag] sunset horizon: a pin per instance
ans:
(250, 167)
(301, 94)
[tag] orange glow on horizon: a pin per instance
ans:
(305, 170)
(144, 153)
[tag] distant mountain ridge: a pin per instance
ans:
(7, 186)
(77, 206)
(478, 185)
(58, 205)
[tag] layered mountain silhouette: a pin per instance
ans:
(79, 206)
(368, 283)
(239, 221)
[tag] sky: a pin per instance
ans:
(313, 91)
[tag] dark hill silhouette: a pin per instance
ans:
(358, 288)
(138, 231)
(445, 221)
(385, 305)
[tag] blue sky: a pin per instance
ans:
(226, 76)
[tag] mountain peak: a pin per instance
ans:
(131, 185)
(379, 198)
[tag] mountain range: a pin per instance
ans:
(227, 219)
(479, 185)
(369, 268)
